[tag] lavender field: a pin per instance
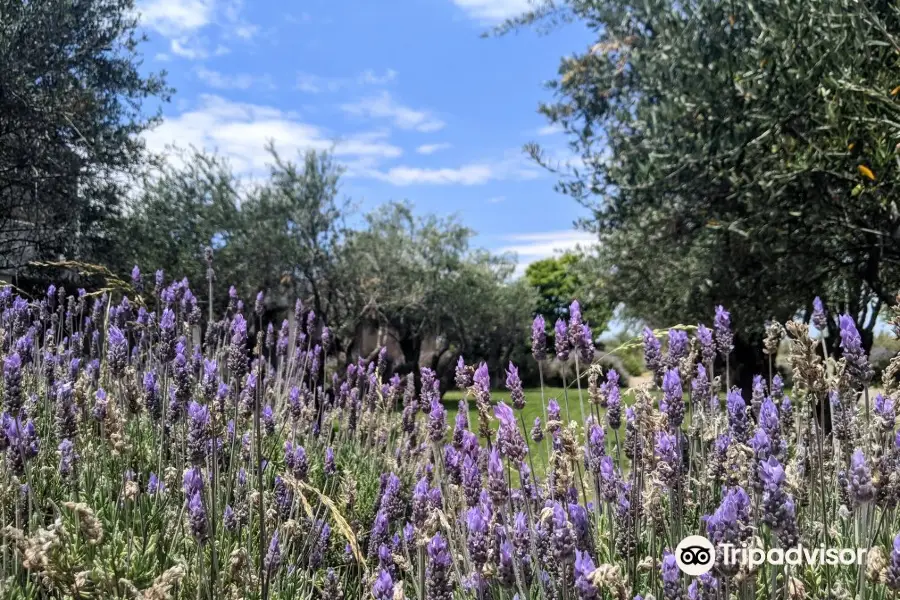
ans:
(137, 464)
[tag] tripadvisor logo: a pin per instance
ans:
(695, 555)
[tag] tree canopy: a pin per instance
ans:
(72, 97)
(561, 279)
(736, 153)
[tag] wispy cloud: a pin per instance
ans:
(383, 106)
(474, 174)
(176, 17)
(493, 11)
(510, 168)
(550, 130)
(240, 132)
(234, 81)
(317, 84)
(530, 247)
(432, 148)
(496, 199)
(370, 77)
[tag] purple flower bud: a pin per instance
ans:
(437, 572)
(737, 415)
(671, 576)
(861, 489)
(819, 320)
(383, 588)
(273, 555)
(652, 351)
(724, 335)
(514, 385)
(539, 339)
(12, 380)
(197, 517)
(117, 351)
(68, 458)
(482, 384)
(330, 467)
(561, 340)
(853, 353)
(707, 345)
(437, 421)
(672, 403)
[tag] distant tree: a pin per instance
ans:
(72, 95)
(292, 228)
(560, 280)
(418, 278)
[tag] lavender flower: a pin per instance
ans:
(885, 413)
(561, 340)
(383, 588)
(537, 432)
(851, 346)
(197, 517)
(652, 351)
(707, 345)
(330, 466)
(12, 381)
(724, 335)
(237, 350)
(497, 478)
(482, 384)
(819, 320)
(562, 539)
(514, 385)
(462, 376)
(586, 345)
(672, 403)
(778, 507)
(509, 439)
(476, 536)
(678, 347)
(273, 555)
(892, 573)
(613, 400)
(198, 432)
(100, 405)
(860, 484)
(437, 421)
(584, 567)
(437, 572)
(117, 351)
(538, 339)
(737, 415)
(68, 458)
(594, 448)
(670, 576)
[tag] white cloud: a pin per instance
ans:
(493, 10)
(474, 174)
(383, 106)
(370, 77)
(431, 148)
(186, 48)
(496, 199)
(176, 17)
(550, 130)
(530, 247)
(238, 81)
(246, 31)
(240, 132)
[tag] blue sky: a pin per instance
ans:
(415, 104)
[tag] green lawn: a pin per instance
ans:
(534, 409)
